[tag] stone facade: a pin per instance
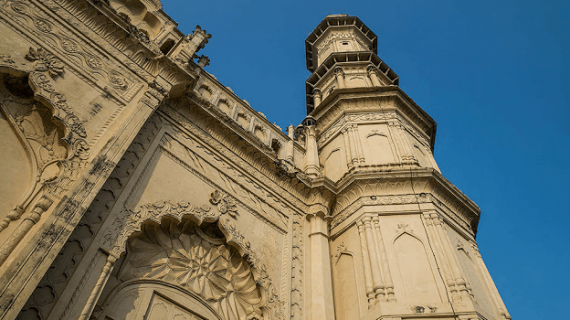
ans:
(135, 185)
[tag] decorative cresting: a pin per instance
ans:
(56, 168)
(225, 272)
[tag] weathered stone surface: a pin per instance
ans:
(133, 185)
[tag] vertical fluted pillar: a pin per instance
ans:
(353, 150)
(407, 153)
(452, 257)
(373, 76)
(359, 145)
(366, 263)
(378, 285)
(441, 256)
(96, 292)
(321, 298)
(384, 260)
(22, 230)
(347, 148)
(339, 75)
(490, 284)
(396, 139)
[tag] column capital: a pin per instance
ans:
(338, 71)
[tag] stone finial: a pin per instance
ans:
(199, 37)
(203, 61)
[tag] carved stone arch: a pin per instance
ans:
(130, 223)
(376, 134)
(416, 269)
(345, 268)
(260, 132)
(47, 123)
(196, 258)
(400, 234)
(206, 92)
(224, 105)
(153, 292)
(44, 92)
(242, 118)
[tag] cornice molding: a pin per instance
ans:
(382, 185)
(370, 99)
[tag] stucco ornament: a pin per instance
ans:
(198, 260)
(224, 202)
(45, 61)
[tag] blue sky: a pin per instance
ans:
(493, 74)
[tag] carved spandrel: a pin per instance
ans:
(40, 141)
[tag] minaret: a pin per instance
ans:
(402, 237)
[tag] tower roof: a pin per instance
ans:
(332, 21)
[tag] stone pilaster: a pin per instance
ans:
(339, 75)
(384, 259)
(347, 148)
(367, 267)
(317, 96)
(490, 284)
(372, 73)
(440, 255)
(321, 291)
(96, 292)
(458, 276)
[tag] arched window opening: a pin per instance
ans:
(167, 46)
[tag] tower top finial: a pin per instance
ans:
(338, 33)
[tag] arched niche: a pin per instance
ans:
(44, 142)
(415, 270)
(205, 92)
(142, 14)
(197, 260)
(335, 164)
(346, 286)
(380, 149)
(177, 243)
(224, 106)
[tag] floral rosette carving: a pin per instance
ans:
(45, 61)
(180, 254)
(236, 289)
(225, 203)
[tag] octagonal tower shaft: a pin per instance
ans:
(402, 237)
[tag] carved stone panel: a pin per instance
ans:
(198, 260)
